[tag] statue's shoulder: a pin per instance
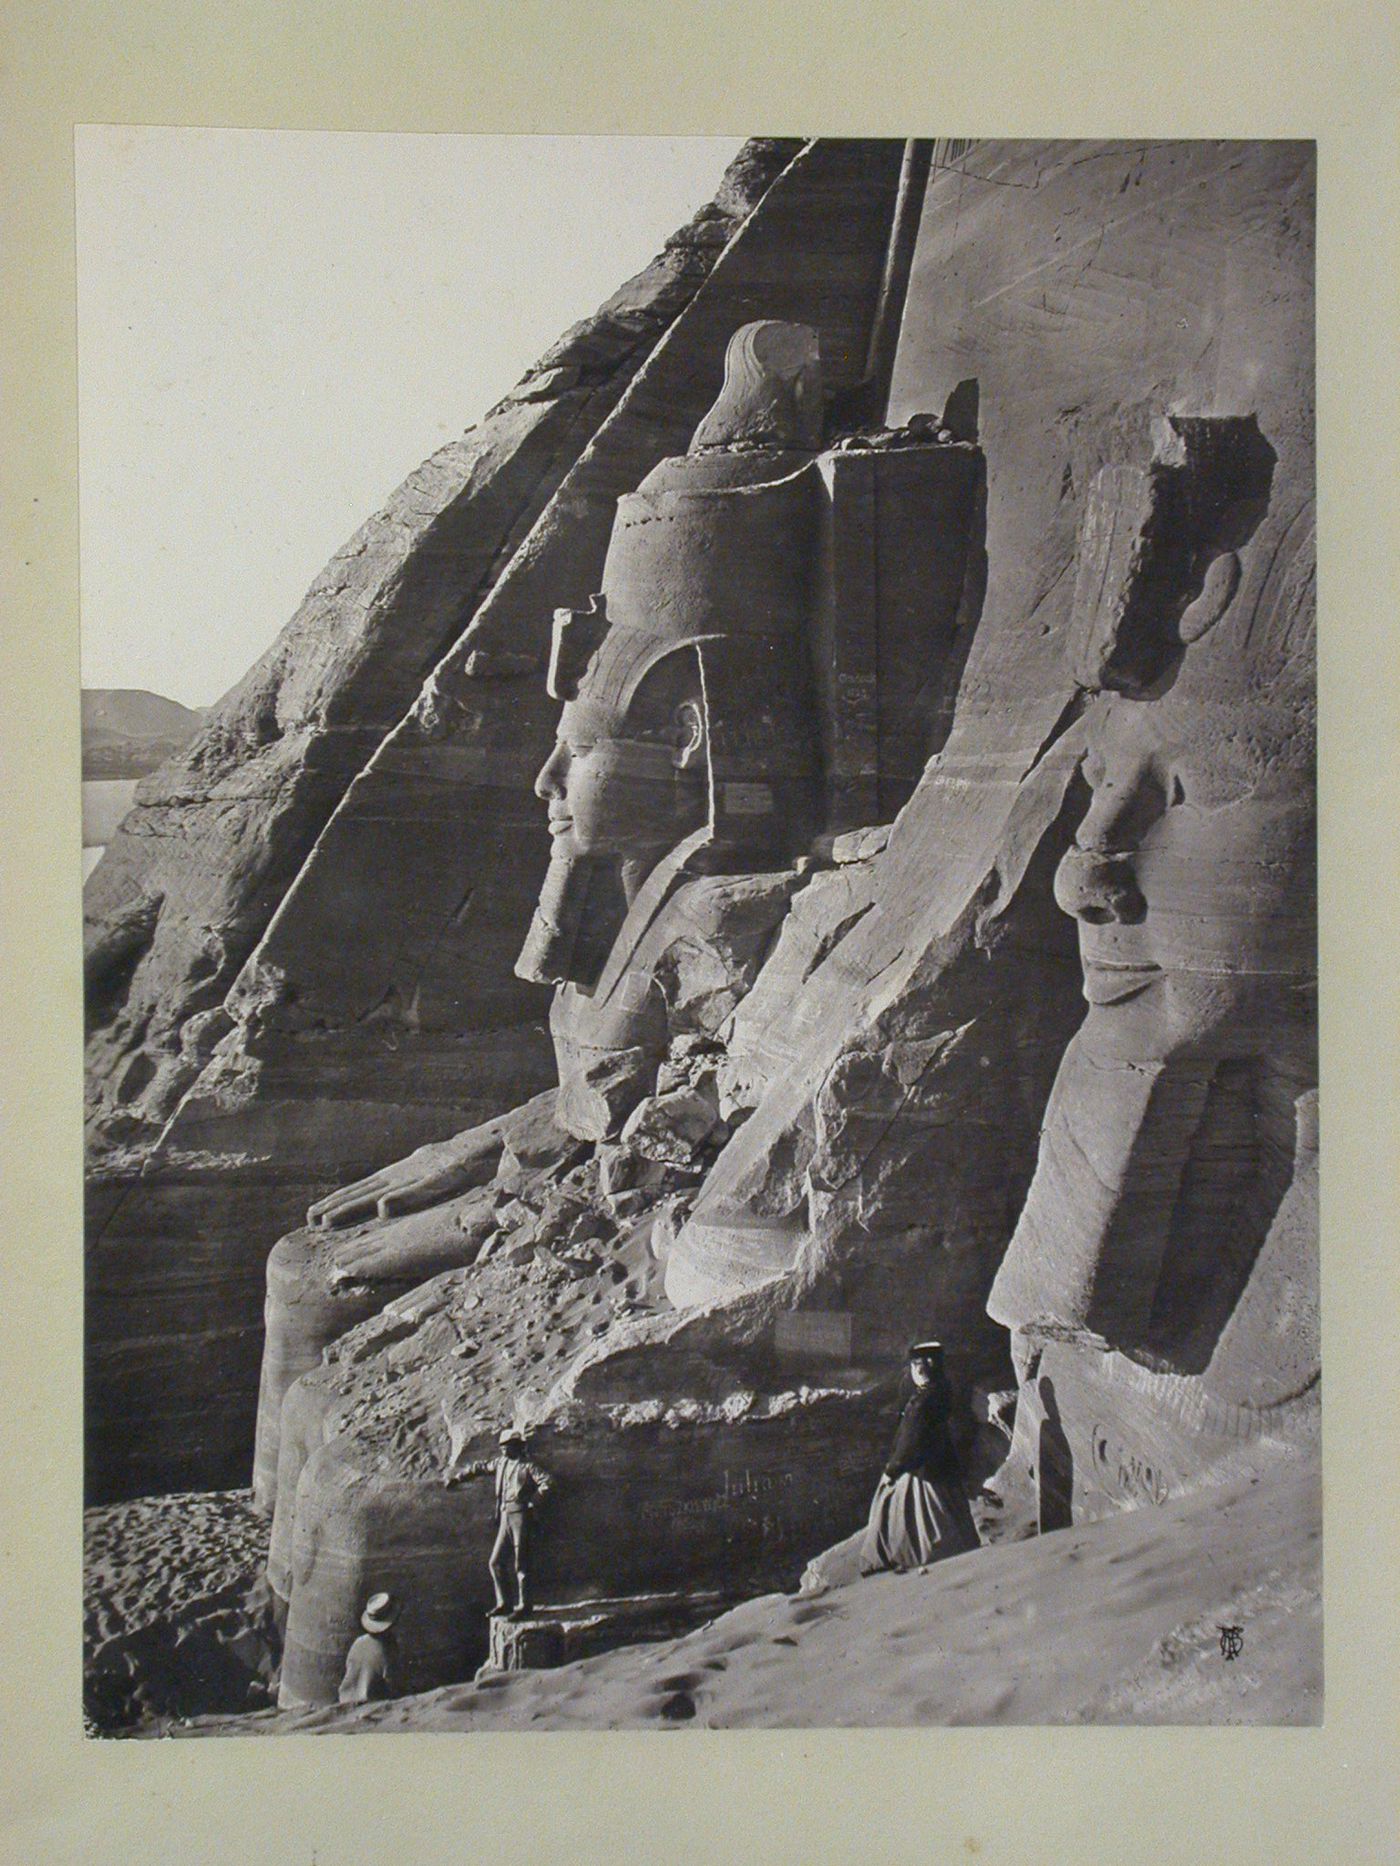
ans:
(707, 904)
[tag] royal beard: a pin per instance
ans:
(576, 919)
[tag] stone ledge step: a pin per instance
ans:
(569, 1630)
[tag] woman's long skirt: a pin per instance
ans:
(914, 1522)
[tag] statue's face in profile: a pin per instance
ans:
(1190, 877)
(629, 781)
(626, 782)
(1179, 1105)
(614, 795)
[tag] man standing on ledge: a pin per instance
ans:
(520, 1484)
(919, 1513)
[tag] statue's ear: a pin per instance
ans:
(689, 735)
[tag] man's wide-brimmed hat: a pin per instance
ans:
(381, 1610)
(924, 1350)
(511, 1435)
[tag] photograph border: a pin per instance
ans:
(1120, 1795)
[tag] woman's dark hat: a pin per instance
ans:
(381, 1611)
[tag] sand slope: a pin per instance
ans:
(1115, 1622)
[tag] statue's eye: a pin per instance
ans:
(1176, 790)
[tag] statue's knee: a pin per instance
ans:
(289, 1256)
(305, 1312)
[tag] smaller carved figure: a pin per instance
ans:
(520, 1486)
(920, 1513)
(369, 1664)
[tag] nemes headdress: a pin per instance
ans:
(713, 555)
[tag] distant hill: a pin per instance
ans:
(128, 732)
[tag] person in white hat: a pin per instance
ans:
(520, 1485)
(919, 1513)
(369, 1662)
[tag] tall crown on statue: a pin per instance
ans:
(714, 553)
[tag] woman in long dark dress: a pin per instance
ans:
(920, 1513)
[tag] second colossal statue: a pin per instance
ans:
(1161, 1283)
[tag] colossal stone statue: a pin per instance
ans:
(722, 724)
(1161, 1281)
(686, 744)
(881, 753)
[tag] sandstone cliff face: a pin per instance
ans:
(349, 949)
(1123, 313)
(177, 1236)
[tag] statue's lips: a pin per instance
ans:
(560, 825)
(1107, 981)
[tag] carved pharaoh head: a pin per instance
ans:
(628, 776)
(1191, 871)
(686, 682)
(1190, 875)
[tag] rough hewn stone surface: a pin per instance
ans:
(560, 1635)
(719, 613)
(452, 786)
(894, 1103)
(380, 1008)
(1125, 1630)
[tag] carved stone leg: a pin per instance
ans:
(321, 1283)
(303, 1314)
(644, 1502)
(360, 1528)
(308, 1414)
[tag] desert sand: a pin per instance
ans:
(1112, 1622)
(174, 1615)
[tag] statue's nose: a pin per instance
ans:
(550, 782)
(1099, 886)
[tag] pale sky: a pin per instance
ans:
(276, 327)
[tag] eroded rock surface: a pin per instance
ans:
(702, 743)
(219, 833)
(891, 1073)
(1110, 1623)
